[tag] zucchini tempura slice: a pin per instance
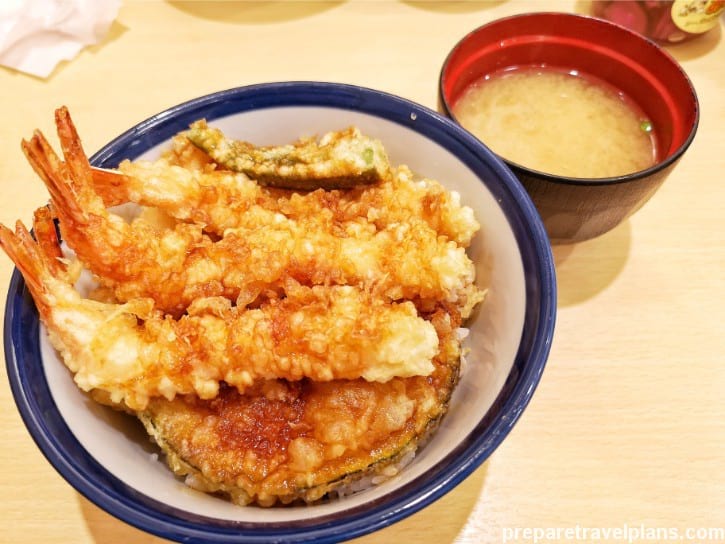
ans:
(339, 160)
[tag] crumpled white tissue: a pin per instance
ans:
(35, 35)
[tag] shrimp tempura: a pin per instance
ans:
(407, 260)
(134, 353)
(220, 199)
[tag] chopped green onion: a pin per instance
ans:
(646, 126)
(367, 155)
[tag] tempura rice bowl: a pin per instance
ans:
(107, 456)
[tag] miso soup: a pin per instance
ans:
(558, 122)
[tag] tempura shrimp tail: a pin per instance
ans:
(65, 197)
(70, 184)
(118, 253)
(111, 186)
(46, 236)
(27, 256)
(70, 143)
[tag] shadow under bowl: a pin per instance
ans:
(577, 209)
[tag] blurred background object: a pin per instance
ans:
(36, 35)
(665, 21)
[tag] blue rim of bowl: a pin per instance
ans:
(668, 161)
(75, 464)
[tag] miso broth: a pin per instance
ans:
(558, 122)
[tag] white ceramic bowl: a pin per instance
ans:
(107, 457)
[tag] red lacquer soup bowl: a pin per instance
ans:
(575, 209)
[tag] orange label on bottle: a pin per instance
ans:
(697, 16)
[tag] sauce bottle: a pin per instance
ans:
(664, 21)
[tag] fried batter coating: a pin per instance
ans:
(175, 267)
(183, 153)
(339, 160)
(134, 353)
(221, 200)
(341, 352)
(285, 442)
